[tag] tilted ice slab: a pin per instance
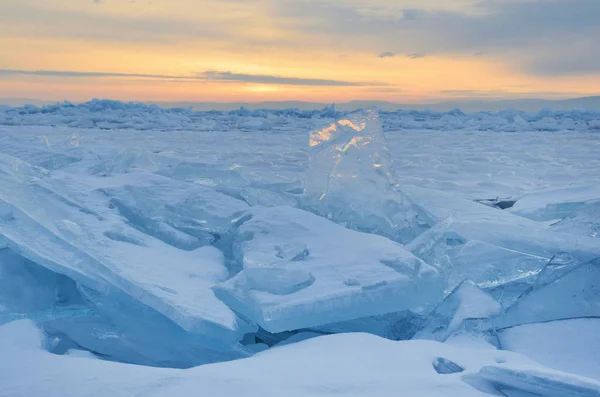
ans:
(301, 270)
(351, 179)
(75, 234)
(556, 204)
(572, 293)
(348, 365)
(488, 246)
(31, 291)
(183, 215)
(528, 380)
(585, 221)
(466, 309)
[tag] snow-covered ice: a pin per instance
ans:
(301, 270)
(173, 238)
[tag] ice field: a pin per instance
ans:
(157, 252)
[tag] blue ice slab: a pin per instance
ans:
(574, 294)
(457, 312)
(72, 234)
(585, 221)
(542, 383)
(301, 270)
(497, 250)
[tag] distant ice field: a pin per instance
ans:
(475, 164)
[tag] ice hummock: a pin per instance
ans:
(492, 248)
(70, 234)
(301, 270)
(351, 179)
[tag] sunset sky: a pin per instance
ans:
(308, 50)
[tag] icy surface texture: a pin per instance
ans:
(556, 204)
(585, 221)
(184, 216)
(31, 291)
(301, 270)
(574, 294)
(351, 179)
(538, 383)
(114, 326)
(493, 248)
(444, 366)
(566, 345)
(395, 326)
(466, 310)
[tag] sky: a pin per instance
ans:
(306, 50)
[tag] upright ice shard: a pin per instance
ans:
(301, 270)
(351, 179)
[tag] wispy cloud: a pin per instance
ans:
(386, 54)
(415, 55)
(270, 79)
(68, 73)
(474, 93)
(204, 76)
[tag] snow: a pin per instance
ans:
(175, 239)
(345, 365)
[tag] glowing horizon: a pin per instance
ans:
(305, 50)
